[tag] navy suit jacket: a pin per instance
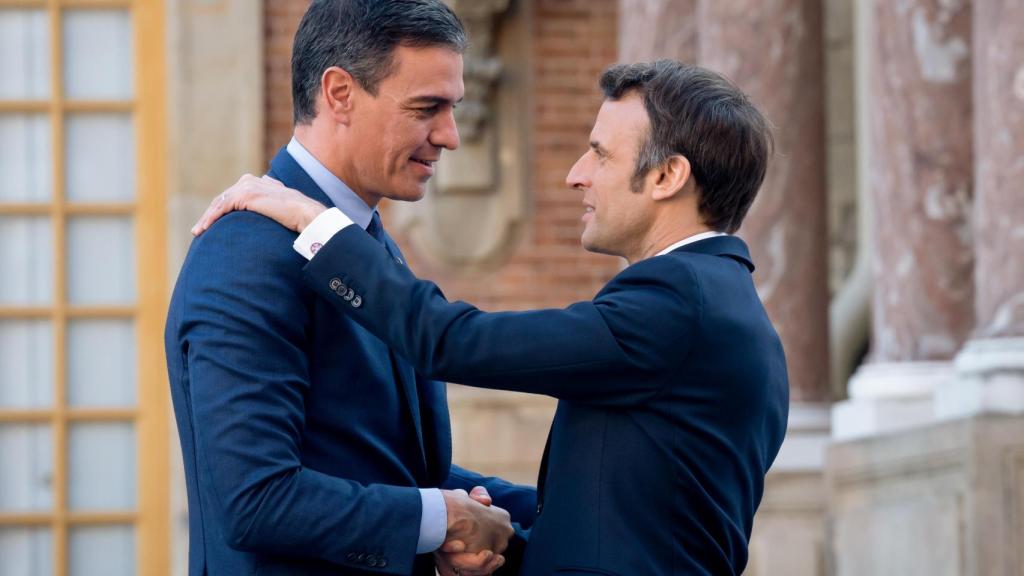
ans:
(673, 398)
(304, 439)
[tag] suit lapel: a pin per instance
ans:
(437, 430)
(405, 374)
(284, 168)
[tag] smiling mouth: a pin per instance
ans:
(427, 163)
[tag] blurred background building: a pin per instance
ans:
(889, 240)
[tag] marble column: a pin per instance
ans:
(774, 51)
(652, 29)
(923, 306)
(990, 369)
(921, 170)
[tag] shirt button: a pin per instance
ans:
(348, 295)
(357, 301)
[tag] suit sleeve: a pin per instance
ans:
(642, 321)
(519, 501)
(243, 335)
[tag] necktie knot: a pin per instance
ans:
(375, 228)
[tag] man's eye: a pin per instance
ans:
(427, 111)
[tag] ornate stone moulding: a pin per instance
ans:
(477, 201)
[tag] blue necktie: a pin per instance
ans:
(376, 229)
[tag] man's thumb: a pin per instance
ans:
(481, 495)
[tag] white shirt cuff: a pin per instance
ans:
(433, 522)
(319, 231)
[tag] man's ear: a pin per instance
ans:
(338, 90)
(671, 177)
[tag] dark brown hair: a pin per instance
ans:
(699, 114)
(360, 36)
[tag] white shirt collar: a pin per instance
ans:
(691, 240)
(343, 197)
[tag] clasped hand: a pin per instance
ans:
(477, 535)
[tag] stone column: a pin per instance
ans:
(652, 29)
(215, 124)
(921, 179)
(774, 51)
(990, 369)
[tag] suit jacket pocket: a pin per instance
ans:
(582, 571)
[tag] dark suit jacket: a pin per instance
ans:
(673, 390)
(303, 441)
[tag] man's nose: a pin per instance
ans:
(446, 133)
(576, 177)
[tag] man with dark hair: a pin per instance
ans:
(311, 446)
(672, 381)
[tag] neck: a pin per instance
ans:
(326, 144)
(661, 237)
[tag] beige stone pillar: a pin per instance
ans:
(774, 51)
(920, 174)
(215, 133)
(990, 369)
(652, 29)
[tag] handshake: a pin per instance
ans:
(477, 535)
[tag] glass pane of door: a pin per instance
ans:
(26, 364)
(101, 466)
(24, 54)
(101, 363)
(26, 486)
(97, 54)
(102, 551)
(26, 254)
(26, 552)
(101, 261)
(100, 155)
(26, 158)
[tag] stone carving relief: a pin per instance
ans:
(477, 199)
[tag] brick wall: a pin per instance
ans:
(573, 41)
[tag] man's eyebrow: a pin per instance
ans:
(435, 100)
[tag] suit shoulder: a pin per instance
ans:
(670, 282)
(664, 270)
(246, 255)
(247, 235)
